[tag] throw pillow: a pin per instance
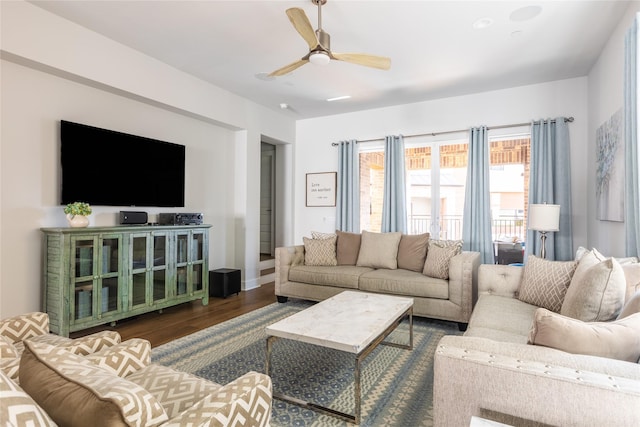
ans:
(17, 408)
(348, 247)
(544, 282)
(379, 250)
(412, 251)
(439, 256)
(596, 292)
(75, 391)
(124, 358)
(632, 277)
(320, 252)
(321, 236)
(619, 339)
(632, 306)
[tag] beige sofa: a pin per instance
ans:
(491, 371)
(114, 384)
(447, 299)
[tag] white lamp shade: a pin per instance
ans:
(544, 217)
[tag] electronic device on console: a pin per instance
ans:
(180, 218)
(133, 217)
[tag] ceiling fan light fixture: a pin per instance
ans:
(319, 58)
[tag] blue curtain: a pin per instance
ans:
(394, 204)
(348, 191)
(476, 222)
(632, 153)
(550, 182)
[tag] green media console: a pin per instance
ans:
(99, 275)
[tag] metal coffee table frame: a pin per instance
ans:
(359, 357)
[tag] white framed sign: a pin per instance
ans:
(321, 189)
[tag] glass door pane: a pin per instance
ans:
(83, 295)
(453, 177)
(182, 245)
(419, 190)
(84, 257)
(160, 248)
(371, 185)
(138, 289)
(197, 277)
(181, 280)
(109, 295)
(139, 254)
(110, 256)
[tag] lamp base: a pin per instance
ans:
(543, 240)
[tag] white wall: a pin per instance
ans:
(53, 69)
(314, 153)
(606, 82)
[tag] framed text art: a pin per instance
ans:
(321, 189)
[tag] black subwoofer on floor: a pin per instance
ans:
(224, 282)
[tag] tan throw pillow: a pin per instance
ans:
(596, 292)
(619, 339)
(632, 277)
(630, 307)
(348, 247)
(379, 250)
(321, 236)
(412, 251)
(439, 256)
(320, 252)
(75, 391)
(544, 282)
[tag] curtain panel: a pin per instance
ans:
(394, 202)
(348, 191)
(550, 182)
(632, 153)
(476, 222)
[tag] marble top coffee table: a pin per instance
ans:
(354, 322)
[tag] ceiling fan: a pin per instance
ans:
(320, 45)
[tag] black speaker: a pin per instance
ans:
(132, 217)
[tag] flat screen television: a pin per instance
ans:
(108, 168)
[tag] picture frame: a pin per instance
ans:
(321, 189)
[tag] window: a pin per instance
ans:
(436, 177)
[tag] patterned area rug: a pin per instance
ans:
(396, 383)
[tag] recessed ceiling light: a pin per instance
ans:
(525, 13)
(339, 98)
(284, 106)
(516, 34)
(482, 23)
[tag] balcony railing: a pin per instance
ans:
(451, 226)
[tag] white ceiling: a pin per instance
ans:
(435, 50)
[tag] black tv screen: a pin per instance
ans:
(108, 168)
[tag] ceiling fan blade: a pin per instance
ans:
(302, 24)
(288, 68)
(380, 62)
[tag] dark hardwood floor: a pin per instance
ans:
(184, 319)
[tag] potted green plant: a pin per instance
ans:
(77, 213)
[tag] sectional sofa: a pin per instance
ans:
(553, 343)
(437, 274)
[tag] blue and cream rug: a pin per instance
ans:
(396, 383)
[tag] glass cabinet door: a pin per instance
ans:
(109, 296)
(182, 263)
(160, 271)
(83, 253)
(197, 261)
(138, 246)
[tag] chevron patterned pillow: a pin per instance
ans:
(17, 408)
(75, 391)
(320, 252)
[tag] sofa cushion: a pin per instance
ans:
(379, 250)
(412, 251)
(501, 318)
(404, 282)
(439, 256)
(545, 283)
(175, 390)
(597, 289)
(630, 307)
(75, 391)
(320, 252)
(342, 276)
(347, 248)
(619, 339)
(17, 408)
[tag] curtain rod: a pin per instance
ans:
(566, 119)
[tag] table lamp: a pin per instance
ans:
(544, 218)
